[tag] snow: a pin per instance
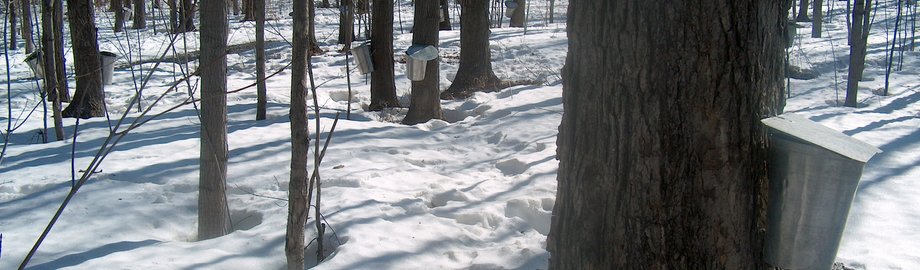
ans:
(474, 191)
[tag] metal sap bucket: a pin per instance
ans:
(34, 60)
(417, 60)
(510, 6)
(108, 66)
(814, 172)
(363, 59)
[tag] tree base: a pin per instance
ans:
(458, 91)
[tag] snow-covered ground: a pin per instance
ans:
(473, 192)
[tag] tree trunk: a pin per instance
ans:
(346, 22)
(444, 24)
(517, 18)
(383, 85)
(186, 16)
(662, 162)
(140, 14)
(262, 92)
(119, 15)
(857, 47)
(249, 13)
(314, 46)
(803, 12)
(236, 6)
(26, 14)
(62, 89)
(300, 139)
(475, 71)
(552, 9)
(818, 19)
(48, 59)
(173, 15)
(88, 100)
(11, 14)
(424, 104)
(213, 211)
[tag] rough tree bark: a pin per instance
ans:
(517, 18)
(88, 100)
(300, 139)
(424, 104)
(383, 84)
(475, 71)
(140, 14)
(213, 211)
(662, 157)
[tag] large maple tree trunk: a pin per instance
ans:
(213, 212)
(383, 84)
(424, 104)
(88, 99)
(662, 157)
(475, 71)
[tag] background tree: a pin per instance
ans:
(424, 104)
(383, 85)
(859, 34)
(661, 151)
(475, 71)
(119, 15)
(249, 13)
(803, 12)
(60, 70)
(235, 4)
(444, 24)
(818, 20)
(300, 139)
(314, 46)
(518, 17)
(11, 8)
(48, 59)
(186, 16)
(261, 91)
(213, 212)
(88, 100)
(140, 14)
(346, 22)
(26, 13)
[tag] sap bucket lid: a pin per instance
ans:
(422, 52)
